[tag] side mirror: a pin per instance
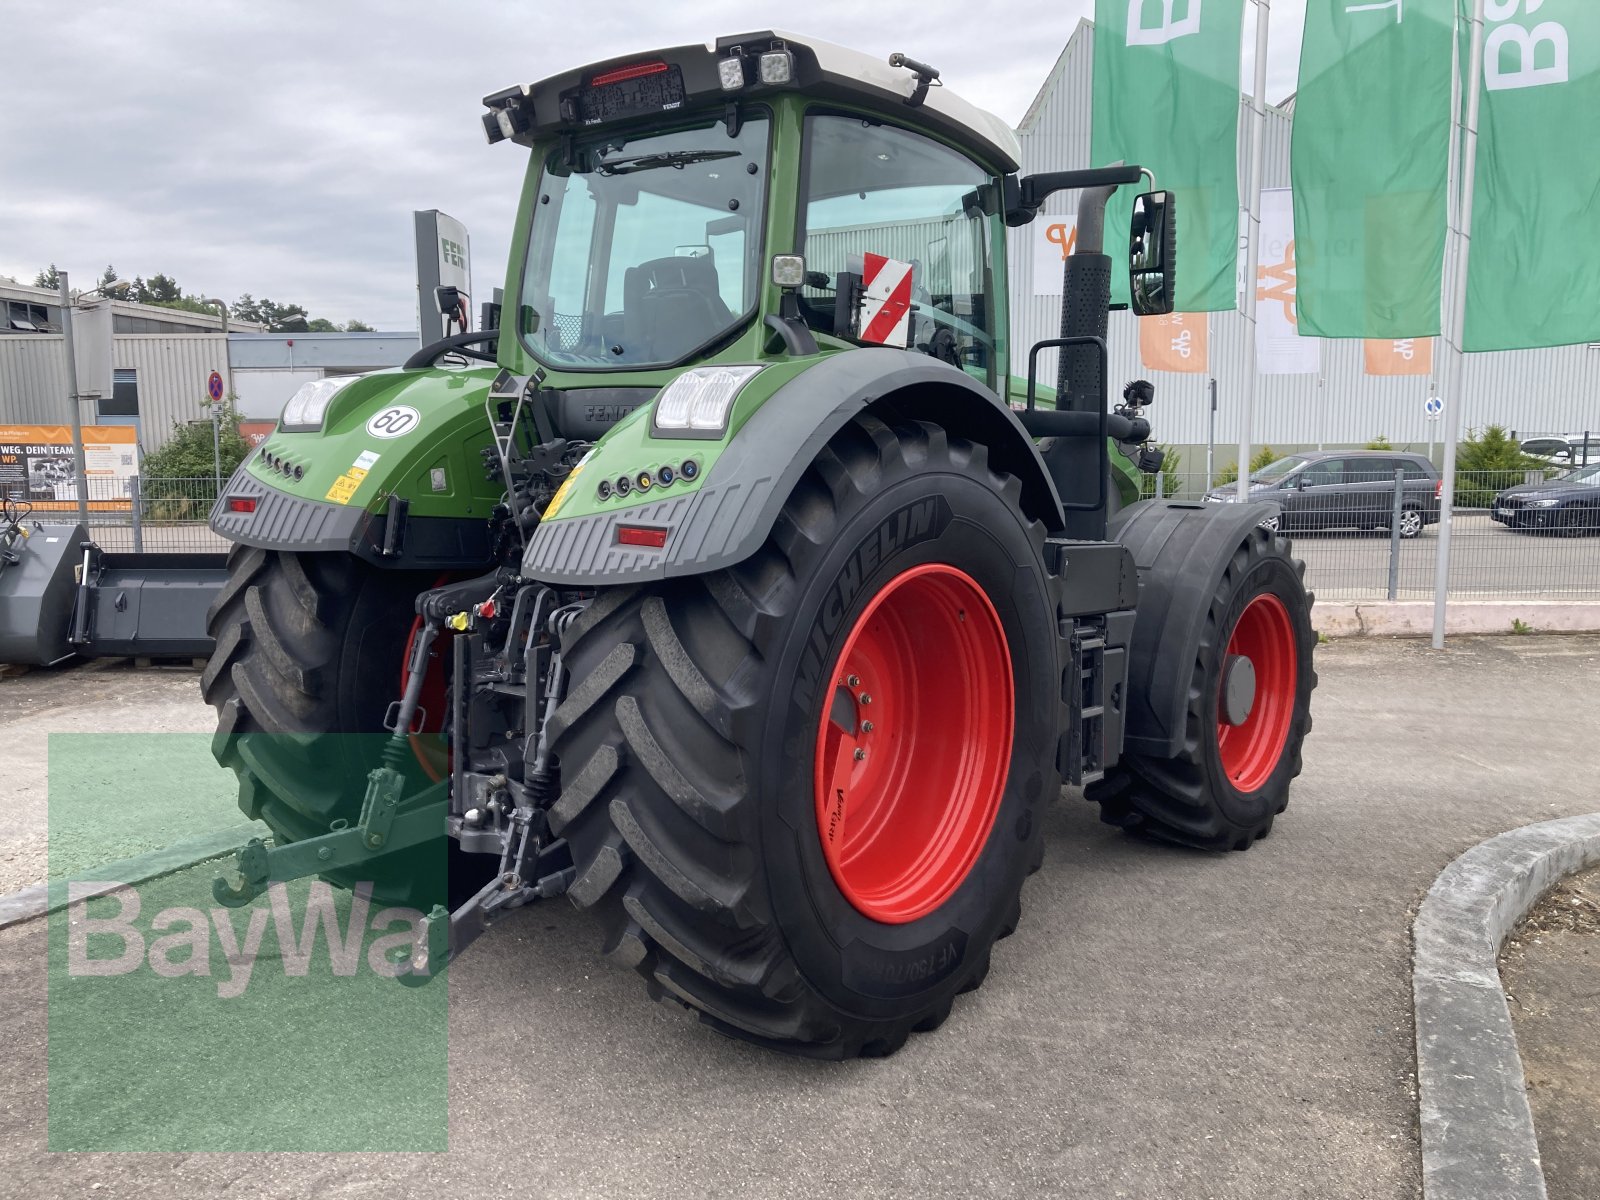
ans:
(1152, 253)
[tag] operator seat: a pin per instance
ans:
(670, 306)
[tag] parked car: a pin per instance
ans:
(1344, 489)
(1571, 450)
(1570, 504)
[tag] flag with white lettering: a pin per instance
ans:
(1399, 356)
(1370, 162)
(1535, 274)
(1166, 97)
(1178, 342)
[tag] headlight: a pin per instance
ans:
(1543, 503)
(698, 401)
(306, 407)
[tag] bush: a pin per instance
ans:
(1263, 457)
(178, 481)
(1489, 461)
(1170, 480)
(1379, 443)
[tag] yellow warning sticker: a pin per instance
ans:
(345, 486)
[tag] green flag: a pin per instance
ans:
(1370, 160)
(1166, 97)
(1535, 273)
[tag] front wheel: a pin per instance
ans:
(1410, 523)
(1248, 712)
(803, 793)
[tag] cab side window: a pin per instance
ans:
(876, 189)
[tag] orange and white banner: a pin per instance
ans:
(1405, 356)
(1054, 240)
(36, 465)
(1280, 350)
(886, 304)
(1175, 342)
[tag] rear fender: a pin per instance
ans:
(729, 515)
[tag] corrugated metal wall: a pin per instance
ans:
(1533, 391)
(173, 370)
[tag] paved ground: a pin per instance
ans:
(1487, 561)
(103, 698)
(1551, 971)
(1164, 1024)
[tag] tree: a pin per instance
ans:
(180, 477)
(278, 318)
(1489, 461)
(163, 289)
(107, 277)
(48, 278)
(354, 326)
(321, 325)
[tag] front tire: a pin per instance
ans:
(1241, 746)
(709, 712)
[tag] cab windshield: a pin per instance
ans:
(645, 249)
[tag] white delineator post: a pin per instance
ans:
(1252, 254)
(1458, 322)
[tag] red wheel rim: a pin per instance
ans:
(914, 744)
(1250, 750)
(426, 744)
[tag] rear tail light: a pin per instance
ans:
(1438, 489)
(631, 71)
(641, 535)
(242, 504)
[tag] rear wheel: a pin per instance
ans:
(1248, 711)
(803, 793)
(1410, 523)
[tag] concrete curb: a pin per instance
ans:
(1414, 618)
(44, 898)
(1477, 1131)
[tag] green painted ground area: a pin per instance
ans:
(176, 1024)
(115, 795)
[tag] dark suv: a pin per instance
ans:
(1344, 489)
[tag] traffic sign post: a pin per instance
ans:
(1433, 408)
(214, 390)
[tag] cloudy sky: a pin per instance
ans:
(279, 147)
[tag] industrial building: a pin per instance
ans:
(148, 366)
(1534, 392)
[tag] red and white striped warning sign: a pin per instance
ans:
(886, 304)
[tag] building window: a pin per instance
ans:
(124, 398)
(22, 317)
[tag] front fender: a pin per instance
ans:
(729, 515)
(335, 488)
(1180, 551)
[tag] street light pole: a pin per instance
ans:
(79, 467)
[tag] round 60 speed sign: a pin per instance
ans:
(394, 421)
(214, 387)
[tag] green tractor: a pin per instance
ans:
(751, 593)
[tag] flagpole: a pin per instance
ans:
(1458, 323)
(1252, 255)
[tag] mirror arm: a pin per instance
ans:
(1023, 197)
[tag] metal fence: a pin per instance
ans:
(1348, 538)
(133, 513)
(1374, 540)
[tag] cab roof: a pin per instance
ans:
(689, 75)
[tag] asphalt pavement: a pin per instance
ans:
(1163, 1024)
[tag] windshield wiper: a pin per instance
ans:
(672, 158)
